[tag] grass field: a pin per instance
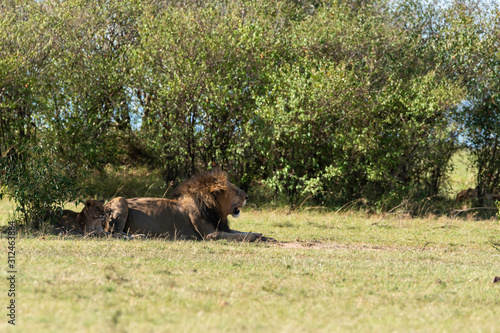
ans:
(329, 273)
(463, 176)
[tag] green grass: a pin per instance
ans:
(126, 181)
(6, 210)
(346, 272)
(463, 175)
(330, 273)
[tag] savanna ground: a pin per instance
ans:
(331, 271)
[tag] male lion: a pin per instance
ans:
(90, 220)
(197, 210)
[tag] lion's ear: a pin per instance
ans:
(88, 203)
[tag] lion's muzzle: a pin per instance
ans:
(236, 211)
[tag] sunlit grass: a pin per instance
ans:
(125, 181)
(329, 272)
(7, 210)
(463, 175)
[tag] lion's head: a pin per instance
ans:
(238, 199)
(92, 216)
(215, 197)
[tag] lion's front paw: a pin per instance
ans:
(257, 237)
(252, 236)
(268, 239)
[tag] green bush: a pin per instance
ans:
(38, 183)
(332, 101)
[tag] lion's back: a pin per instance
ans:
(159, 217)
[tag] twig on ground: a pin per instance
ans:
(458, 211)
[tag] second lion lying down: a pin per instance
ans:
(198, 210)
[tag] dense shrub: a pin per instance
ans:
(38, 183)
(330, 100)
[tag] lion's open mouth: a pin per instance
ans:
(236, 212)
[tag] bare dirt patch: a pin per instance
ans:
(316, 245)
(310, 245)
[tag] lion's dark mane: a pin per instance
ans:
(201, 189)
